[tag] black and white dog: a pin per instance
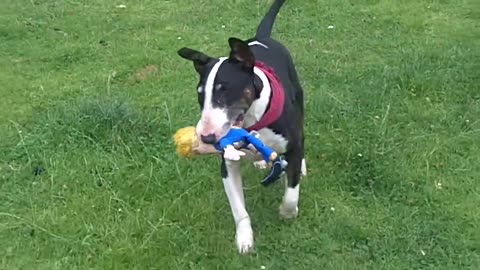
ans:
(238, 88)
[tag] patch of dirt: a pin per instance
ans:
(142, 74)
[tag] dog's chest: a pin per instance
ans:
(273, 140)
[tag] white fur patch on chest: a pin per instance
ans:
(273, 140)
(259, 106)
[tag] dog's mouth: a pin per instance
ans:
(235, 121)
(238, 122)
(240, 118)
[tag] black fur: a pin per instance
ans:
(265, 27)
(223, 169)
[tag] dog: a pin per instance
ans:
(259, 85)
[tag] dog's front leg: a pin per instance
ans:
(232, 182)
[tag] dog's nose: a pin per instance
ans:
(209, 139)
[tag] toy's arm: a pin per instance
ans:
(249, 145)
(208, 149)
(227, 144)
(261, 147)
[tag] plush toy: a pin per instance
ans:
(188, 145)
(239, 135)
(237, 138)
(185, 139)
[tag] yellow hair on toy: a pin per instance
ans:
(185, 140)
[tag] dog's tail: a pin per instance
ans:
(264, 30)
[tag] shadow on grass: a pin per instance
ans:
(106, 123)
(103, 126)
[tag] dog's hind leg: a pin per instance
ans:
(232, 182)
(289, 206)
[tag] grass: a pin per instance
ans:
(88, 174)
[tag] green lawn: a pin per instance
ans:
(90, 95)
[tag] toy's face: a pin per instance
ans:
(226, 89)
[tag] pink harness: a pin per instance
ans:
(277, 99)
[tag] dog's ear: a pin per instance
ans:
(240, 51)
(199, 59)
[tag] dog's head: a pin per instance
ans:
(226, 89)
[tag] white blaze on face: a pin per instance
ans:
(213, 119)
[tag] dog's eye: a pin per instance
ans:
(200, 90)
(220, 87)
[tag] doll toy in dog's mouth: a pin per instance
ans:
(188, 145)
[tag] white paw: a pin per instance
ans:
(289, 206)
(261, 164)
(288, 213)
(244, 238)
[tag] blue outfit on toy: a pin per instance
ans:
(237, 134)
(241, 135)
